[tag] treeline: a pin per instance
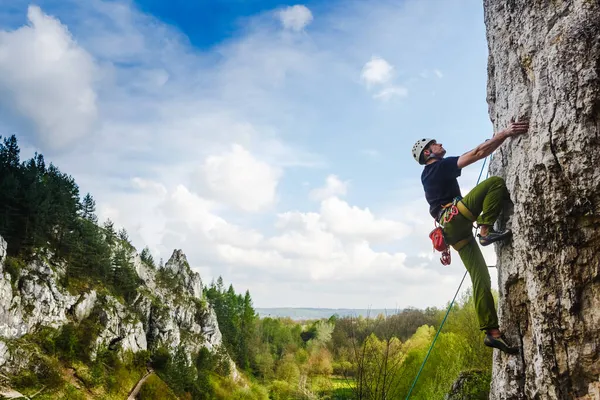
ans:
(371, 357)
(237, 322)
(42, 211)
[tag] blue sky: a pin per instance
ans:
(270, 141)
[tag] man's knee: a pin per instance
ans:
(496, 181)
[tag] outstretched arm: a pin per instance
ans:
(486, 148)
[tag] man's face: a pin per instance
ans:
(436, 149)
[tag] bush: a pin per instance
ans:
(227, 389)
(161, 358)
(13, 266)
(141, 359)
(288, 371)
(72, 393)
(47, 370)
(155, 388)
(74, 342)
(471, 385)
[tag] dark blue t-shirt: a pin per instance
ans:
(440, 184)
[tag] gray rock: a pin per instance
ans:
(38, 301)
(4, 353)
(210, 329)
(180, 267)
(3, 246)
(147, 274)
(119, 326)
(85, 305)
(159, 316)
(543, 65)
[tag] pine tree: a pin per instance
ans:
(247, 331)
(123, 235)
(10, 193)
(109, 231)
(88, 208)
(10, 153)
(146, 257)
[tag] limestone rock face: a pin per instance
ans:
(544, 65)
(169, 309)
(179, 266)
(37, 299)
(3, 246)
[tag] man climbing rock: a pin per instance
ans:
(456, 215)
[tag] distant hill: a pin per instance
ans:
(318, 313)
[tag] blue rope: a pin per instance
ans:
(446, 316)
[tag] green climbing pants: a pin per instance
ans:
(485, 202)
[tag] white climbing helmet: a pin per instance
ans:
(418, 148)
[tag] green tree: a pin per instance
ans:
(147, 258)
(109, 232)
(124, 278)
(88, 208)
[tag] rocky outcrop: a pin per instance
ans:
(544, 64)
(179, 266)
(169, 310)
(32, 297)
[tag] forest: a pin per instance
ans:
(375, 357)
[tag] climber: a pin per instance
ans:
(482, 204)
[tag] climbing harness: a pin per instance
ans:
(437, 236)
(451, 303)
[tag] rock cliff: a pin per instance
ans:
(169, 309)
(544, 65)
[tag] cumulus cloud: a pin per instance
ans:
(377, 71)
(148, 185)
(353, 222)
(333, 187)
(304, 246)
(295, 17)
(239, 179)
(309, 247)
(48, 79)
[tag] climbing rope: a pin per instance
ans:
(447, 312)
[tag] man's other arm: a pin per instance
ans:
(486, 148)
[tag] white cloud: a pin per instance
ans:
(438, 73)
(308, 249)
(377, 71)
(333, 187)
(388, 93)
(295, 17)
(239, 179)
(354, 222)
(150, 186)
(48, 79)
(305, 246)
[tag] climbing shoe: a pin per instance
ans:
(493, 236)
(499, 344)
